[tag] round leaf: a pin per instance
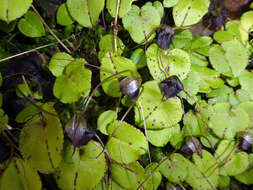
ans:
(41, 141)
(158, 113)
(10, 10)
(125, 6)
(203, 174)
(85, 12)
(227, 121)
(58, 62)
(31, 25)
(246, 82)
(83, 170)
(189, 12)
(174, 168)
(161, 137)
(20, 176)
(169, 3)
(236, 55)
(174, 62)
(74, 83)
(141, 23)
(105, 119)
(114, 63)
(127, 144)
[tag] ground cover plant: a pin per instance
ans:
(126, 94)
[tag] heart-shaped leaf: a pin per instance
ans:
(141, 23)
(74, 83)
(105, 119)
(158, 113)
(63, 17)
(20, 176)
(10, 10)
(58, 62)
(31, 25)
(83, 170)
(247, 176)
(124, 7)
(85, 12)
(174, 62)
(229, 58)
(208, 77)
(115, 64)
(174, 168)
(132, 175)
(190, 12)
(246, 82)
(41, 141)
(227, 121)
(203, 174)
(127, 143)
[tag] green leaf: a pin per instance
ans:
(10, 10)
(246, 24)
(224, 182)
(132, 175)
(227, 121)
(182, 38)
(247, 176)
(107, 44)
(174, 168)
(201, 44)
(219, 95)
(230, 162)
(58, 62)
(169, 3)
(236, 55)
(74, 83)
(155, 178)
(224, 151)
(158, 113)
(191, 125)
(105, 119)
(108, 185)
(231, 32)
(208, 77)
(63, 17)
(139, 58)
(31, 25)
(141, 23)
(41, 141)
(189, 12)
(174, 62)
(27, 113)
(20, 176)
(3, 120)
(161, 137)
(203, 174)
(24, 89)
(115, 63)
(125, 6)
(127, 143)
(248, 108)
(85, 12)
(82, 170)
(219, 61)
(237, 164)
(246, 82)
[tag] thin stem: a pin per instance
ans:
(50, 31)
(116, 25)
(146, 134)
